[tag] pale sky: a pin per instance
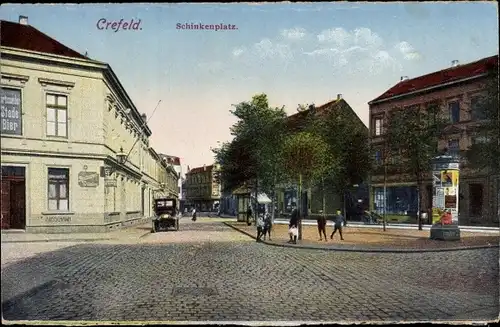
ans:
(295, 53)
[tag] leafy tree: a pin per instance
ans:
(253, 158)
(412, 138)
(306, 158)
(348, 143)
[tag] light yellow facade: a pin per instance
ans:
(101, 120)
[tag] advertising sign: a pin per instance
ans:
(88, 179)
(445, 193)
(10, 103)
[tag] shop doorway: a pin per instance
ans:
(13, 197)
(475, 200)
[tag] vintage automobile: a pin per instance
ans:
(166, 215)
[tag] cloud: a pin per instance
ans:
(382, 60)
(360, 49)
(409, 53)
(297, 33)
(266, 49)
(337, 36)
(362, 37)
(238, 51)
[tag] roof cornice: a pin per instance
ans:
(430, 88)
(56, 59)
(110, 75)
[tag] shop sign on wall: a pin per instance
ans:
(88, 179)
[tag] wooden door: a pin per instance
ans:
(18, 204)
(5, 198)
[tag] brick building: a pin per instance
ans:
(458, 89)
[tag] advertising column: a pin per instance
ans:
(445, 175)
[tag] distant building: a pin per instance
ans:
(287, 196)
(203, 190)
(175, 163)
(458, 90)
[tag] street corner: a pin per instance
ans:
(15, 252)
(370, 240)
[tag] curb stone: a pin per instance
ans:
(61, 240)
(360, 249)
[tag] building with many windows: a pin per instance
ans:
(203, 190)
(175, 182)
(457, 90)
(75, 151)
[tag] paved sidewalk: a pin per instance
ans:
(374, 240)
(119, 234)
(17, 246)
(475, 229)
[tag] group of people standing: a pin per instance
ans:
(264, 225)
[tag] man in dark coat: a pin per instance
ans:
(321, 220)
(249, 215)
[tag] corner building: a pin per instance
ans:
(66, 122)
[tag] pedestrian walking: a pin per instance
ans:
(339, 219)
(268, 225)
(249, 215)
(193, 214)
(293, 225)
(321, 220)
(260, 227)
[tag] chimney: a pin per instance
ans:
(23, 20)
(404, 78)
(339, 96)
(204, 168)
(454, 63)
(144, 117)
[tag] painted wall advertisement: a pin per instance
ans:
(10, 102)
(445, 195)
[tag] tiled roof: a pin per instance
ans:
(294, 120)
(441, 77)
(26, 37)
(200, 169)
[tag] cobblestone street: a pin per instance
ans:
(208, 271)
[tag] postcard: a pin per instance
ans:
(280, 163)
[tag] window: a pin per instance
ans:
(454, 111)
(377, 124)
(58, 192)
(378, 157)
(57, 119)
(453, 147)
(477, 108)
(432, 112)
